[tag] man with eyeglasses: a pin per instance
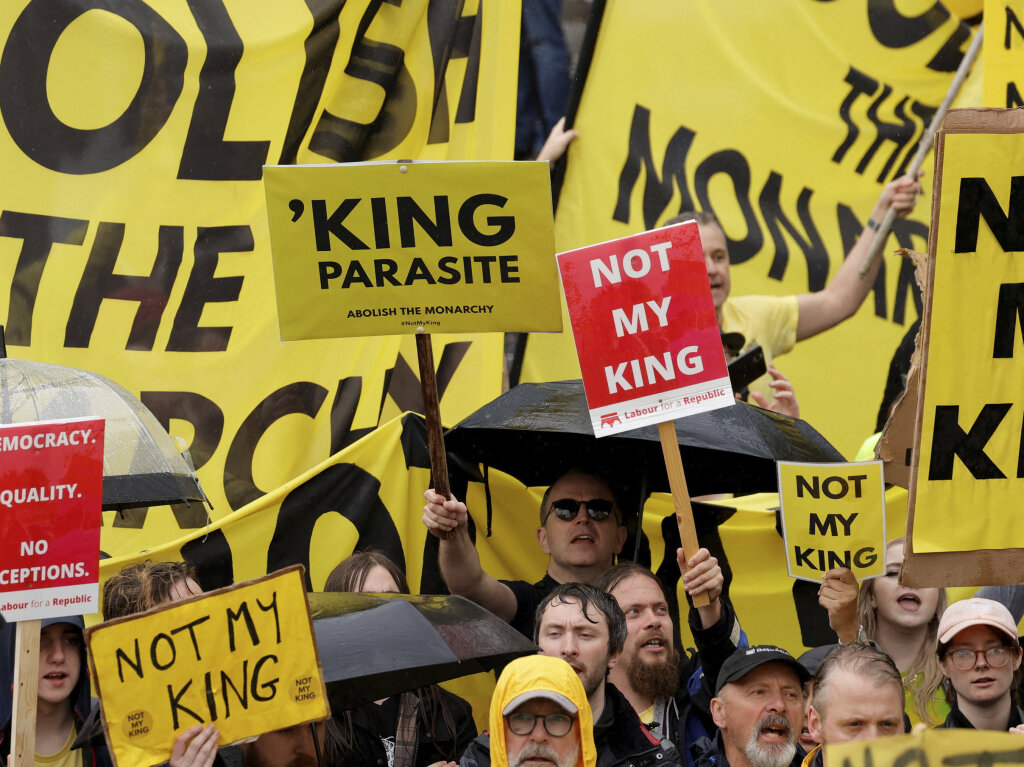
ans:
(581, 530)
(979, 653)
(539, 716)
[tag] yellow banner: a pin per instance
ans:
(133, 233)
(833, 515)
(968, 462)
(1002, 54)
(241, 658)
(384, 248)
(790, 152)
(936, 746)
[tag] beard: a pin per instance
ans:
(533, 750)
(593, 678)
(655, 679)
(771, 754)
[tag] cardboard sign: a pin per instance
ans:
(833, 515)
(967, 474)
(242, 658)
(645, 327)
(930, 747)
(438, 247)
(51, 493)
(1002, 54)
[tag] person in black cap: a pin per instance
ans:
(758, 709)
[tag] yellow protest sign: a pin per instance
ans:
(242, 658)
(1002, 54)
(384, 248)
(833, 515)
(789, 152)
(937, 746)
(967, 463)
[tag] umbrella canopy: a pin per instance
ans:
(374, 646)
(142, 466)
(538, 431)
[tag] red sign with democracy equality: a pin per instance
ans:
(51, 495)
(645, 327)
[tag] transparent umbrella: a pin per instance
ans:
(142, 466)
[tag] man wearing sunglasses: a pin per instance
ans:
(539, 715)
(581, 531)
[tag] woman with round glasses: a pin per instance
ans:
(980, 654)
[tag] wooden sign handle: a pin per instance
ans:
(681, 496)
(26, 692)
(432, 411)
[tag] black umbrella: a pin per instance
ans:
(538, 431)
(372, 646)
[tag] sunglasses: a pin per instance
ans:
(566, 509)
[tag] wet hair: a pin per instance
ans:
(351, 573)
(142, 586)
(926, 664)
(544, 513)
(620, 572)
(435, 717)
(588, 597)
(702, 217)
(864, 660)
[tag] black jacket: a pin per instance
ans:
(621, 738)
(710, 752)
(956, 720)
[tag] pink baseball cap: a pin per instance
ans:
(975, 612)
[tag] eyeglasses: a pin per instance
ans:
(996, 657)
(556, 725)
(566, 509)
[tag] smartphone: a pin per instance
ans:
(746, 369)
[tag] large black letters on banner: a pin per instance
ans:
(206, 155)
(977, 201)
(34, 127)
(950, 441)
(38, 235)
(100, 283)
(894, 30)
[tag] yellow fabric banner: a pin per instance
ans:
(691, 106)
(833, 515)
(382, 248)
(242, 658)
(133, 234)
(937, 746)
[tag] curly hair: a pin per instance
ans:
(141, 586)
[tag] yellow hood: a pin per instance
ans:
(540, 672)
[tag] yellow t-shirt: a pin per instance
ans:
(767, 320)
(938, 707)
(63, 758)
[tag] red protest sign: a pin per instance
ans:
(51, 494)
(645, 328)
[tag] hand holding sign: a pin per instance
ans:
(838, 594)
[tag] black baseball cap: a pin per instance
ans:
(746, 659)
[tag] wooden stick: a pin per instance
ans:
(432, 411)
(26, 692)
(925, 145)
(680, 495)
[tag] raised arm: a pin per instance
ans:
(458, 558)
(838, 594)
(847, 290)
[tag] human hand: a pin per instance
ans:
(1017, 729)
(443, 764)
(443, 516)
(784, 398)
(838, 594)
(900, 195)
(557, 143)
(701, 573)
(196, 747)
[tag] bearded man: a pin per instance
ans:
(649, 672)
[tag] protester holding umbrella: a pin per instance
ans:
(581, 530)
(441, 723)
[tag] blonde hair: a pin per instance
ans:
(926, 665)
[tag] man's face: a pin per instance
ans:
(716, 259)
(60, 661)
(982, 684)
(649, 659)
(580, 542)
(565, 632)
(760, 716)
(857, 708)
(537, 748)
